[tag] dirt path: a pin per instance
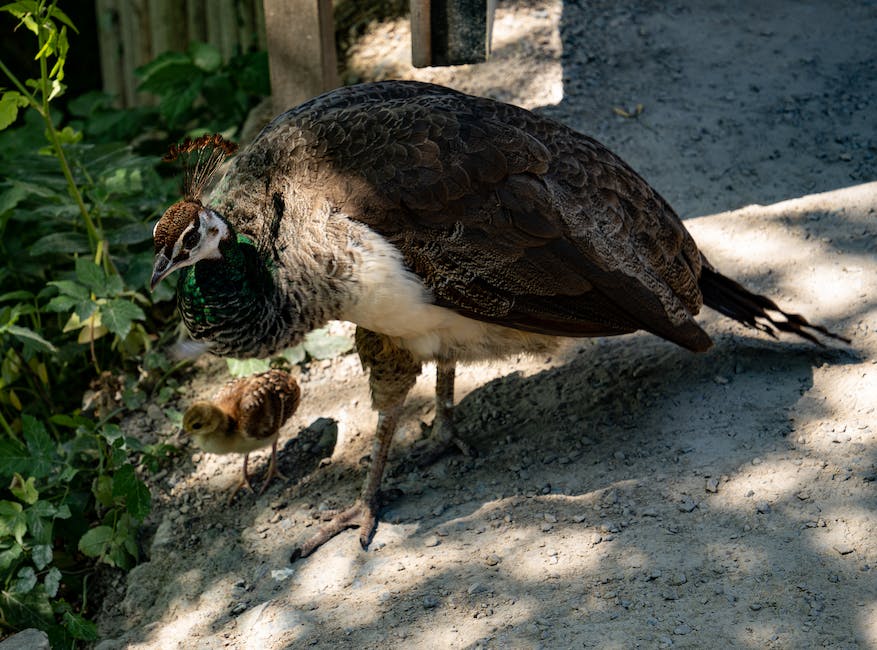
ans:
(628, 493)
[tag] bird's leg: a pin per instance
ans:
(244, 482)
(443, 425)
(393, 372)
(443, 434)
(272, 469)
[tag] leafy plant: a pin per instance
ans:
(196, 87)
(76, 202)
(67, 308)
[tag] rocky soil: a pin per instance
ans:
(627, 493)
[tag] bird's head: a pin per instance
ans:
(186, 233)
(203, 420)
(189, 231)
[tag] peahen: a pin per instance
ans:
(448, 228)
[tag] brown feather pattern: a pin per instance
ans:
(258, 405)
(508, 217)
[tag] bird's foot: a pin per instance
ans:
(429, 451)
(440, 442)
(243, 483)
(360, 515)
(270, 474)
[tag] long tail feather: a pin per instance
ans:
(735, 301)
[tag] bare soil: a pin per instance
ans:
(627, 493)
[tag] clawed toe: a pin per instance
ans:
(360, 515)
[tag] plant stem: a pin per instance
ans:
(6, 427)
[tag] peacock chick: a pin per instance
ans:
(246, 414)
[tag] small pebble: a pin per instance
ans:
(432, 540)
(430, 601)
(763, 507)
(550, 518)
(476, 588)
(678, 579)
(687, 505)
(844, 549)
(755, 606)
(546, 527)
(682, 630)
(712, 485)
(492, 559)
(650, 512)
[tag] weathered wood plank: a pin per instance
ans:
(450, 32)
(301, 50)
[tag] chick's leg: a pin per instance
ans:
(392, 373)
(244, 482)
(272, 469)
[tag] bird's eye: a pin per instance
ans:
(190, 239)
(213, 230)
(196, 426)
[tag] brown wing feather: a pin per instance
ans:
(507, 216)
(260, 404)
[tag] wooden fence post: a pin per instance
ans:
(301, 50)
(450, 32)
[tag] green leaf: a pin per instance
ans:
(165, 72)
(16, 295)
(295, 354)
(10, 555)
(39, 522)
(25, 490)
(25, 580)
(29, 335)
(205, 56)
(119, 314)
(111, 432)
(91, 275)
(96, 541)
(173, 105)
(9, 105)
(43, 509)
(52, 581)
(102, 487)
(244, 367)
(322, 345)
(138, 501)
(40, 445)
(12, 521)
(41, 554)
(70, 288)
(60, 242)
(27, 610)
(79, 627)
(13, 457)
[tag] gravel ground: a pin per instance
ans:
(627, 493)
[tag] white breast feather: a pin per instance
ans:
(392, 300)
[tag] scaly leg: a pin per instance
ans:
(443, 425)
(272, 469)
(364, 512)
(392, 373)
(244, 482)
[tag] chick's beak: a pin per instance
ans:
(161, 268)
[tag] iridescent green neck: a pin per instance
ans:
(217, 293)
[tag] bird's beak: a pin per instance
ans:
(160, 270)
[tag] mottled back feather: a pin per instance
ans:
(260, 404)
(507, 216)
